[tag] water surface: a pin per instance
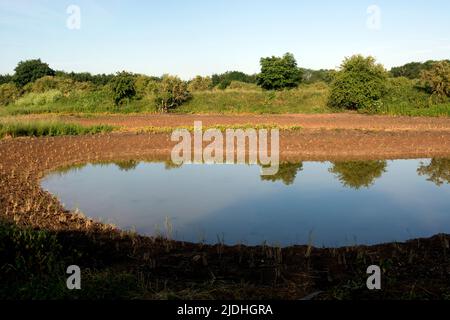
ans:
(324, 203)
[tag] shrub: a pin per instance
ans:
(200, 83)
(437, 79)
(145, 85)
(279, 72)
(39, 99)
(64, 85)
(31, 70)
(171, 92)
(8, 93)
(222, 81)
(359, 84)
(123, 88)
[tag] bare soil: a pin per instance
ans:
(416, 269)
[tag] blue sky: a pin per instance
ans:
(189, 37)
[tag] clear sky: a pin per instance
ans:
(189, 37)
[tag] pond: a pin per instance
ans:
(321, 203)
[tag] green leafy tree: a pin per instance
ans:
(359, 84)
(358, 174)
(8, 93)
(437, 79)
(279, 72)
(123, 88)
(31, 70)
(5, 78)
(171, 92)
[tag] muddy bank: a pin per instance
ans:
(416, 269)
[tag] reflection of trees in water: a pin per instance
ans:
(126, 165)
(358, 174)
(169, 165)
(286, 173)
(438, 171)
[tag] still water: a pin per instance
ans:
(323, 203)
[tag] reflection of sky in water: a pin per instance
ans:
(231, 201)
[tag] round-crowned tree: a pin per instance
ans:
(359, 84)
(279, 72)
(123, 87)
(31, 70)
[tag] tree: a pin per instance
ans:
(31, 70)
(359, 84)
(413, 70)
(279, 72)
(171, 92)
(437, 79)
(200, 83)
(8, 93)
(122, 86)
(358, 174)
(5, 78)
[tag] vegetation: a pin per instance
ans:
(359, 84)
(31, 70)
(437, 80)
(8, 93)
(122, 86)
(279, 72)
(413, 70)
(171, 92)
(200, 83)
(222, 81)
(48, 128)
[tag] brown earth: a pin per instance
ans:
(307, 121)
(418, 268)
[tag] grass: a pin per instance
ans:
(48, 128)
(305, 99)
(152, 129)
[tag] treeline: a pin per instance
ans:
(359, 84)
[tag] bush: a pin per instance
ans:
(145, 86)
(31, 70)
(222, 81)
(8, 93)
(171, 92)
(200, 83)
(39, 99)
(64, 85)
(279, 72)
(123, 88)
(437, 79)
(359, 84)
